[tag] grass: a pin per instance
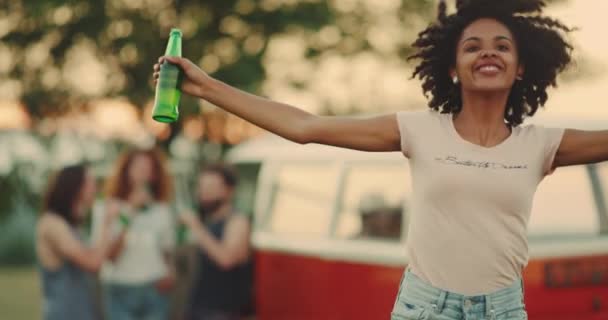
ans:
(20, 293)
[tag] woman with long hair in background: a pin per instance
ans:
(139, 275)
(67, 263)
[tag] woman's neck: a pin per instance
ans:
(138, 185)
(481, 119)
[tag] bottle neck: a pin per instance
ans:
(174, 46)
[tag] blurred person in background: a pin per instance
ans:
(379, 219)
(66, 261)
(224, 286)
(139, 275)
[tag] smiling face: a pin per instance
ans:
(486, 57)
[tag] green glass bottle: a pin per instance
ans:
(182, 234)
(168, 91)
(125, 220)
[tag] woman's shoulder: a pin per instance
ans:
(534, 130)
(50, 223)
(537, 136)
(421, 115)
(420, 120)
(49, 218)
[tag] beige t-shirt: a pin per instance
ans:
(150, 236)
(471, 204)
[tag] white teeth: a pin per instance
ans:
(489, 68)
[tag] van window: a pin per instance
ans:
(373, 201)
(246, 189)
(302, 198)
(564, 205)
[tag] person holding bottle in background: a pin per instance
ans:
(139, 275)
(223, 289)
(67, 263)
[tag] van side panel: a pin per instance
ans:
(301, 288)
(567, 288)
(304, 288)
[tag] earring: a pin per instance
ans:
(519, 78)
(455, 79)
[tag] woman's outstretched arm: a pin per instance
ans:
(582, 147)
(378, 133)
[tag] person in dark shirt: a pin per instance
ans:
(223, 290)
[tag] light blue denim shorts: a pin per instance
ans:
(418, 300)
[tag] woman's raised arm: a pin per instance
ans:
(378, 133)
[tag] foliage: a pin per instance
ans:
(65, 52)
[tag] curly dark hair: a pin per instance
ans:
(541, 43)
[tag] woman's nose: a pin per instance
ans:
(487, 53)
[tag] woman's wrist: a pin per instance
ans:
(199, 231)
(195, 225)
(209, 88)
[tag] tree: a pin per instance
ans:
(60, 54)
(63, 53)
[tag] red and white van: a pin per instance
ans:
(310, 263)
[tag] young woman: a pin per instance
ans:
(223, 289)
(139, 274)
(66, 262)
(475, 168)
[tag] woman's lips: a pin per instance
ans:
(488, 69)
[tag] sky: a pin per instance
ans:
(586, 96)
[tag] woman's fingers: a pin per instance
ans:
(174, 60)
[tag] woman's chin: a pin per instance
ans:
(492, 87)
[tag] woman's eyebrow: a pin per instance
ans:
(497, 38)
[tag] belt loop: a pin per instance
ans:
(440, 303)
(490, 313)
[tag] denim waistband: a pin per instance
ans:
(416, 291)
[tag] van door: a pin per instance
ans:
(296, 201)
(370, 228)
(316, 257)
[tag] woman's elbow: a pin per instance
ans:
(115, 253)
(227, 263)
(306, 132)
(88, 261)
(94, 266)
(302, 139)
(95, 269)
